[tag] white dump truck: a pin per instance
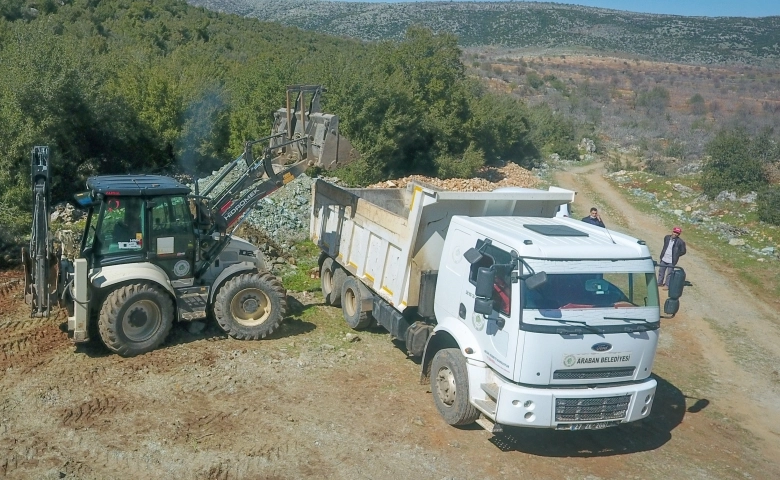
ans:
(521, 317)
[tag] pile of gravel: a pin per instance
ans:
(283, 215)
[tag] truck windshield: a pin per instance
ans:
(593, 290)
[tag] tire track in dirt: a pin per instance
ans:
(740, 390)
(91, 411)
(31, 342)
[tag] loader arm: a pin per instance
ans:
(300, 138)
(261, 178)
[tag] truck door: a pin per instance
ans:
(496, 333)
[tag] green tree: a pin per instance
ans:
(552, 132)
(733, 164)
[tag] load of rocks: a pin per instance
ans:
(487, 178)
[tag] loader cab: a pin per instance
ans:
(139, 218)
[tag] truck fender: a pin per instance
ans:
(450, 333)
(115, 274)
(227, 273)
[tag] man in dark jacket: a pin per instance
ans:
(594, 218)
(673, 249)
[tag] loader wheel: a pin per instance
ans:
(332, 278)
(351, 301)
(135, 319)
(450, 387)
(250, 306)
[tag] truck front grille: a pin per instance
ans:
(591, 409)
(591, 373)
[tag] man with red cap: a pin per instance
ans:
(674, 248)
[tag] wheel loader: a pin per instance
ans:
(154, 251)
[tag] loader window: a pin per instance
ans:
(171, 215)
(121, 229)
(171, 223)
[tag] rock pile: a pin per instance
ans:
(488, 178)
(66, 213)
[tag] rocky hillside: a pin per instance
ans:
(700, 40)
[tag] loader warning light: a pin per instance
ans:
(84, 199)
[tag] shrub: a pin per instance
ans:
(654, 101)
(696, 102)
(464, 166)
(768, 203)
(675, 149)
(734, 165)
(534, 80)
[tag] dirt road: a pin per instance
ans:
(310, 403)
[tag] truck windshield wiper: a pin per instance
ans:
(626, 319)
(575, 322)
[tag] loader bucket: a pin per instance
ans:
(325, 147)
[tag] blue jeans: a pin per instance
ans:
(664, 272)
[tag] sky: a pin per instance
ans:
(706, 8)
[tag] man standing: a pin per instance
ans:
(594, 218)
(673, 249)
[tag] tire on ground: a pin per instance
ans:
(351, 300)
(450, 387)
(330, 293)
(250, 306)
(135, 319)
(339, 277)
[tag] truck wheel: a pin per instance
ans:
(339, 277)
(351, 300)
(250, 306)
(332, 278)
(450, 387)
(135, 319)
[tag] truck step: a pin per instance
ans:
(489, 425)
(491, 389)
(487, 406)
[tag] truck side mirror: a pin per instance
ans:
(676, 283)
(483, 304)
(536, 280)
(486, 277)
(671, 306)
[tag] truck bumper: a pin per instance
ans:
(574, 408)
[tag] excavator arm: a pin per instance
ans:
(41, 262)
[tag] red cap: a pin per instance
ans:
(677, 230)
